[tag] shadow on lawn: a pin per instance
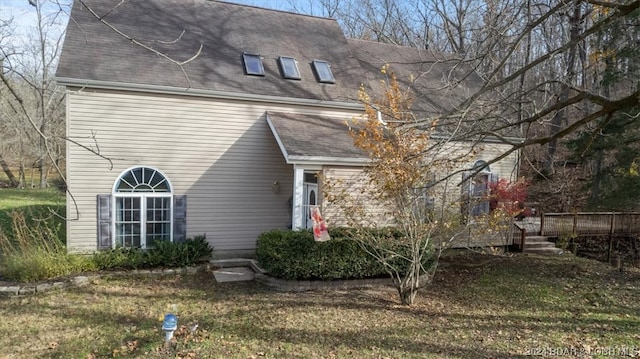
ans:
(386, 339)
(458, 303)
(257, 308)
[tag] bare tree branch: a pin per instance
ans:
(140, 44)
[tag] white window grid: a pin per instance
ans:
(142, 218)
(142, 208)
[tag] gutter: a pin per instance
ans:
(170, 90)
(321, 160)
(488, 139)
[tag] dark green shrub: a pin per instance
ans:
(168, 254)
(120, 258)
(163, 254)
(295, 255)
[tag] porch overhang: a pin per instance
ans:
(311, 140)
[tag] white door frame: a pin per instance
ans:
(297, 213)
(309, 188)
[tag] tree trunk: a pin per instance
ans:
(42, 165)
(44, 171)
(409, 285)
(407, 296)
(407, 293)
(560, 117)
(597, 178)
(12, 178)
(22, 180)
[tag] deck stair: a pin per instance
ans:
(540, 245)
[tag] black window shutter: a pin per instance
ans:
(179, 218)
(104, 221)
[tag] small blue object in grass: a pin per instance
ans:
(169, 325)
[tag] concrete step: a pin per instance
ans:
(537, 238)
(233, 274)
(540, 245)
(545, 250)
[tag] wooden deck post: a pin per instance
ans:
(541, 223)
(611, 226)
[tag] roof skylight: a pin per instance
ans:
(323, 71)
(289, 67)
(253, 64)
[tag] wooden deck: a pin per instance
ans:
(477, 236)
(579, 224)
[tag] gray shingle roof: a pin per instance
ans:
(438, 81)
(178, 28)
(312, 136)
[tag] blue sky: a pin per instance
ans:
(23, 19)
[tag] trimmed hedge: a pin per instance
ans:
(163, 254)
(290, 254)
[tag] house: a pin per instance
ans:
(189, 117)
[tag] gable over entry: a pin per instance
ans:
(309, 142)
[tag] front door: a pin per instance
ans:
(310, 199)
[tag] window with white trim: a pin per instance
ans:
(142, 199)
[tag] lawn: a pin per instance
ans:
(38, 205)
(479, 306)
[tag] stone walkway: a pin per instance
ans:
(13, 289)
(234, 270)
(226, 270)
(233, 274)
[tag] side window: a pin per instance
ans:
(477, 187)
(140, 211)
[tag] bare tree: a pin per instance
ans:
(33, 102)
(404, 216)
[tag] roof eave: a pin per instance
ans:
(281, 145)
(327, 161)
(170, 90)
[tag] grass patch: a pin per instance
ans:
(39, 206)
(35, 252)
(32, 236)
(478, 306)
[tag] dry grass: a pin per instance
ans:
(40, 206)
(478, 307)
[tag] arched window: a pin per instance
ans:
(143, 211)
(140, 210)
(482, 165)
(142, 179)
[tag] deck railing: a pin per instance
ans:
(519, 236)
(589, 224)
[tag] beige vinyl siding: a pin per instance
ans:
(220, 153)
(467, 156)
(506, 167)
(352, 179)
(352, 182)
